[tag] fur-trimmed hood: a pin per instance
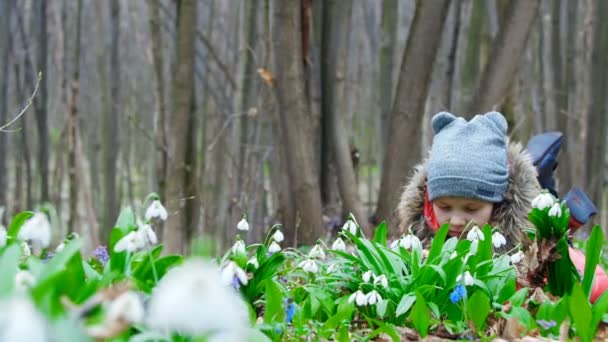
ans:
(511, 215)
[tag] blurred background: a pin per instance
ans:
(294, 112)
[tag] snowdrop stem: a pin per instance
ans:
(153, 264)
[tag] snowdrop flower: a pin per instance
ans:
(59, 247)
(147, 235)
(274, 247)
(516, 258)
(2, 236)
(410, 241)
(25, 249)
(316, 252)
(131, 243)
(556, 210)
(278, 236)
(37, 230)
(359, 298)
(468, 279)
(253, 261)
(350, 226)
(381, 279)
(243, 225)
(20, 321)
(332, 268)
(233, 275)
(191, 299)
(309, 265)
(156, 210)
(373, 297)
(367, 276)
(542, 201)
(24, 279)
(475, 234)
(128, 307)
(339, 245)
(474, 248)
(498, 240)
(239, 247)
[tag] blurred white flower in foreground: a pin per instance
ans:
(191, 299)
(128, 306)
(20, 321)
(2, 236)
(156, 210)
(24, 279)
(36, 230)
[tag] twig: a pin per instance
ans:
(29, 103)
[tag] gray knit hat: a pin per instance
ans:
(468, 159)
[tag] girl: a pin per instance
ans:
(474, 174)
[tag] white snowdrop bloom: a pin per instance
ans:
(309, 265)
(542, 201)
(359, 298)
(274, 247)
(242, 225)
(20, 321)
(338, 245)
(24, 279)
(381, 279)
(232, 272)
(350, 226)
(59, 247)
(147, 235)
(556, 210)
(468, 279)
(128, 306)
(131, 243)
(278, 236)
(373, 297)
(25, 249)
(367, 276)
(156, 210)
(410, 241)
(253, 261)
(333, 268)
(498, 240)
(2, 236)
(316, 252)
(239, 247)
(37, 230)
(517, 257)
(192, 299)
(475, 234)
(395, 244)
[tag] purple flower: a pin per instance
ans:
(101, 253)
(458, 293)
(546, 324)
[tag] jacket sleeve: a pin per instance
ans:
(600, 281)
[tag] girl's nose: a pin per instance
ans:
(457, 221)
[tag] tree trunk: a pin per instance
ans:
(73, 128)
(177, 139)
(41, 108)
(5, 46)
(506, 51)
(596, 121)
(470, 69)
(294, 117)
(24, 150)
(333, 67)
(111, 130)
(386, 78)
(408, 109)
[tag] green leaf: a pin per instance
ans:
(580, 312)
(600, 308)
(438, 242)
(519, 297)
(380, 234)
(592, 257)
(420, 315)
(478, 309)
(9, 264)
(126, 219)
(15, 225)
(405, 304)
(274, 303)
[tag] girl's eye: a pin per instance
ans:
(444, 207)
(471, 210)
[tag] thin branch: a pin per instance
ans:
(29, 103)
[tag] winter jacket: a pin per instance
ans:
(511, 215)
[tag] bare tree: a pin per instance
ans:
(386, 78)
(403, 149)
(295, 121)
(5, 46)
(41, 100)
(336, 15)
(183, 83)
(505, 54)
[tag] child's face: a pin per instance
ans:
(459, 211)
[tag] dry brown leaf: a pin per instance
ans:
(266, 76)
